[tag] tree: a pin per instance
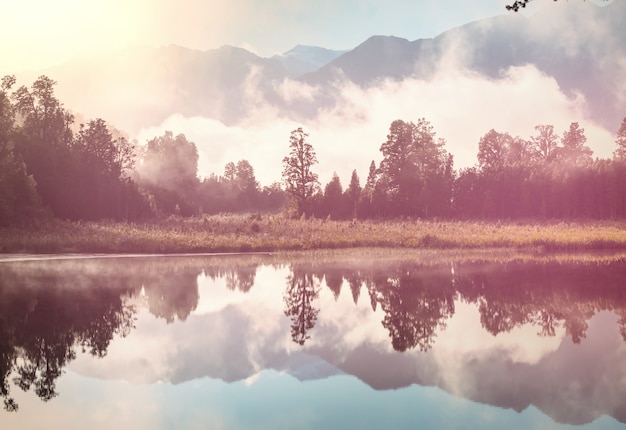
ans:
(353, 193)
(493, 150)
(18, 195)
(245, 179)
(413, 168)
(114, 156)
(333, 198)
(517, 4)
(171, 162)
(366, 207)
(230, 171)
(543, 146)
(246, 185)
(299, 179)
(573, 150)
(44, 140)
(620, 141)
(169, 170)
(302, 290)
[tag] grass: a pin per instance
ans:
(254, 233)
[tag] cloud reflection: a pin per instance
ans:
(391, 324)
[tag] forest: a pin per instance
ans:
(55, 166)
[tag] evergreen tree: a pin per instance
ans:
(620, 141)
(573, 149)
(353, 193)
(333, 199)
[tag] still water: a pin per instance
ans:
(342, 340)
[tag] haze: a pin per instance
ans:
(461, 105)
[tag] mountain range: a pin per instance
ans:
(581, 46)
(564, 63)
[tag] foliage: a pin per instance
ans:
(300, 181)
(416, 172)
(517, 4)
(18, 194)
(48, 164)
(79, 175)
(620, 141)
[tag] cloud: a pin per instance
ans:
(290, 91)
(462, 106)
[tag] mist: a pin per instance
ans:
(462, 106)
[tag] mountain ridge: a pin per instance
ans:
(139, 88)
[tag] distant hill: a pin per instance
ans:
(305, 59)
(582, 46)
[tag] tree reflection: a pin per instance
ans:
(238, 276)
(241, 277)
(542, 294)
(50, 312)
(415, 306)
(42, 323)
(302, 289)
(172, 294)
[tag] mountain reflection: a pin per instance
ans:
(52, 310)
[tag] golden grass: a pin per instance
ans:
(247, 233)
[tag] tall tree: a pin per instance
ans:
(493, 150)
(573, 149)
(44, 140)
(413, 165)
(620, 141)
(333, 198)
(169, 169)
(171, 162)
(247, 185)
(302, 290)
(544, 144)
(367, 208)
(299, 179)
(113, 155)
(18, 195)
(353, 193)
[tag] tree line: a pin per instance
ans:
(51, 165)
(545, 176)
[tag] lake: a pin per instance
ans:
(365, 339)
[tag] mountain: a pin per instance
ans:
(305, 59)
(579, 44)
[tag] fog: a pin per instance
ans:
(462, 106)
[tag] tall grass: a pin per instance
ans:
(245, 233)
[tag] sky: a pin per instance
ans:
(41, 33)
(37, 34)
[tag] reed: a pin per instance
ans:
(248, 233)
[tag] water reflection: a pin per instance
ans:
(302, 290)
(52, 311)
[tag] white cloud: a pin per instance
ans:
(462, 106)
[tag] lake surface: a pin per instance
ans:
(325, 340)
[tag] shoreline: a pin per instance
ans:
(227, 234)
